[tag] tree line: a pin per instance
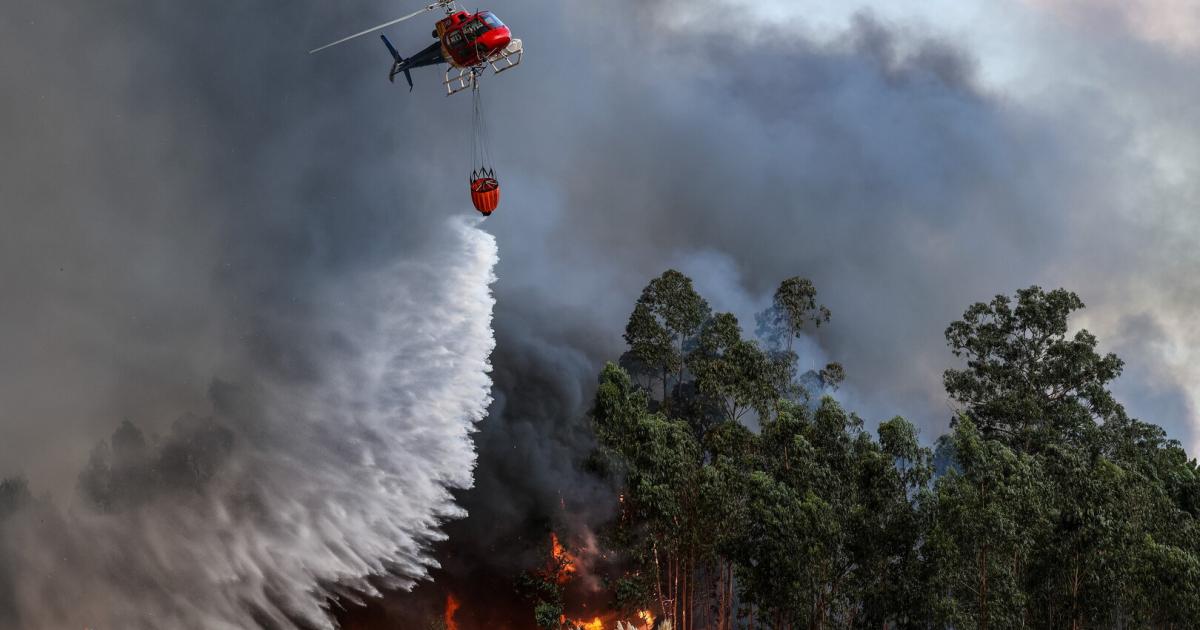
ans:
(1045, 506)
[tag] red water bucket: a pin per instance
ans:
(485, 194)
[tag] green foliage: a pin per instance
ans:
(732, 373)
(667, 315)
(650, 344)
(632, 593)
(1026, 382)
(1077, 498)
(547, 615)
(986, 521)
(794, 305)
(831, 532)
(1045, 507)
(673, 299)
(661, 456)
(541, 588)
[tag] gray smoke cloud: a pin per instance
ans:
(294, 488)
(193, 244)
(187, 196)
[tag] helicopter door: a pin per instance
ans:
(458, 47)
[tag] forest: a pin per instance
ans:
(750, 498)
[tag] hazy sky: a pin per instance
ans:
(1120, 74)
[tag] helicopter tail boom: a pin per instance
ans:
(399, 65)
(431, 56)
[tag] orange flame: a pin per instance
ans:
(565, 563)
(564, 566)
(451, 607)
(644, 617)
(595, 624)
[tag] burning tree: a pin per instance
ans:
(543, 587)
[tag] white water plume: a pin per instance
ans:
(326, 483)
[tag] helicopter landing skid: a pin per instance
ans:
(509, 57)
(459, 79)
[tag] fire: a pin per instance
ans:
(565, 563)
(646, 621)
(451, 607)
(565, 566)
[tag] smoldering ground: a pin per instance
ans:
(187, 196)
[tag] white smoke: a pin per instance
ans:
(342, 478)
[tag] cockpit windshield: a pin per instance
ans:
(491, 20)
(473, 28)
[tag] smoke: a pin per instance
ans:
(291, 492)
(1172, 23)
(188, 197)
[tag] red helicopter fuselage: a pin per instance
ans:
(470, 40)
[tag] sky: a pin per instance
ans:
(1114, 73)
(194, 206)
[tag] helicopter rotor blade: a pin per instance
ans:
(376, 28)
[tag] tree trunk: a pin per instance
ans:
(675, 591)
(692, 597)
(731, 586)
(683, 597)
(1076, 621)
(720, 595)
(671, 587)
(662, 603)
(983, 588)
(688, 579)
(680, 382)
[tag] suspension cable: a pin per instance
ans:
(481, 158)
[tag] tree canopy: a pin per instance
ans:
(753, 499)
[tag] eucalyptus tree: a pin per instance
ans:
(830, 524)
(991, 510)
(668, 314)
(1026, 381)
(661, 507)
(731, 372)
(793, 306)
(1114, 497)
(793, 310)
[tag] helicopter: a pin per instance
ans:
(467, 42)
